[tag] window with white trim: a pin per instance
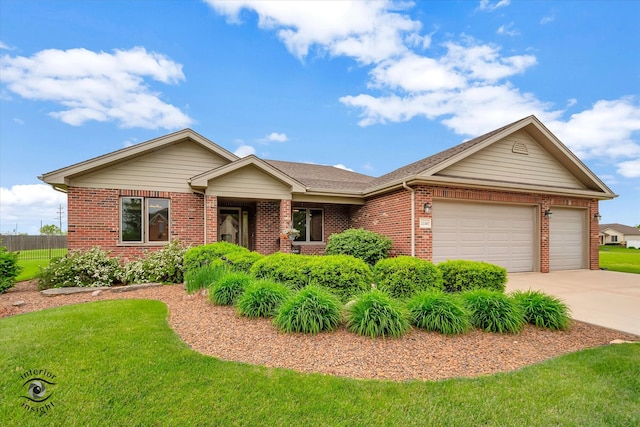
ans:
(144, 220)
(310, 224)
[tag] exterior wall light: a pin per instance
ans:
(548, 213)
(597, 216)
(427, 207)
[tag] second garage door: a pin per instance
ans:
(499, 234)
(566, 239)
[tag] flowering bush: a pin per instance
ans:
(92, 268)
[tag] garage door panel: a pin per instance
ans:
(500, 234)
(567, 237)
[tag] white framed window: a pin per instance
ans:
(310, 223)
(144, 220)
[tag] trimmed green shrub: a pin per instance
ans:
(9, 269)
(229, 288)
(289, 269)
(92, 268)
(164, 266)
(204, 277)
(343, 275)
(404, 276)
(462, 275)
(201, 256)
(309, 310)
(262, 298)
(242, 260)
(543, 310)
(493, 311)
(363, 244)
(376, 314)
(440, 312)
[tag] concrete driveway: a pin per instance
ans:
(604, 298)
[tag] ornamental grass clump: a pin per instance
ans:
(205, 277)
(543, 310)
(440, 312)
(309, 311)
(229, 288)
(262, 298)
(376, 314)
(494, 311)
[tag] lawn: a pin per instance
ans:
(32, 260)
(617, 258)
(112, 370)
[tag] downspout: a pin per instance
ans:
(413, 217)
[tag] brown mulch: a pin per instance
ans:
(420, 355)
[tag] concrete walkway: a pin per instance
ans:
(603, 298)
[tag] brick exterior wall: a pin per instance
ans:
(94, 216)
(94, 220)
(390, 214)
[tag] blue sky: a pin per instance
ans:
(370, 86)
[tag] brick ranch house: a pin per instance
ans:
(516, 197)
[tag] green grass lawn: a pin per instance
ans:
(616, 258)
(32, 260)
(119, 363)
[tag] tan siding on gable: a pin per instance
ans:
(248, 182)
(167, 169)
(498, 162)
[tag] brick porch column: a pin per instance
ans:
(285, 222)
(211, 223)
(424, 236)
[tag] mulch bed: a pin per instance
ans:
(419, 355)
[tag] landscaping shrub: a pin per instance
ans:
(242, 260)
(309, 310)
(404, 276)
(262, 298)
(289, 269)
(343, 275)
(92, 268)
(461, 275)
(201, 256)
(363, 244)
(9, 269)
(204, 277)
(493, 311)
(164, 266)
(437, 311)
(229, 288)
(543, 310)
(377, 314)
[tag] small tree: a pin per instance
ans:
(9, 269)
(50, 230)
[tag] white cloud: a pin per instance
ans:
(18, 121)
(486, 5)
(368, 31)
(343, 167)
(244, 151)
(547, 19)
(4, 46)
(630, 169)
(98, 86)
(25, 206)
(508, 30)
(276, 137)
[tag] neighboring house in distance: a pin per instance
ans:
(516, 197)
(618, 234)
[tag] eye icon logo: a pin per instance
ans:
(37, 390)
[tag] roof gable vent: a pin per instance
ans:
(520, 148)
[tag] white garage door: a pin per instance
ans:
(567, 241)
(499, 234)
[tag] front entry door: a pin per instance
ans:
(233, 226)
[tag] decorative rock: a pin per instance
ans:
(66, 291)
(129, 288)
(96, 293)
(18, 303)
(621, 342)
